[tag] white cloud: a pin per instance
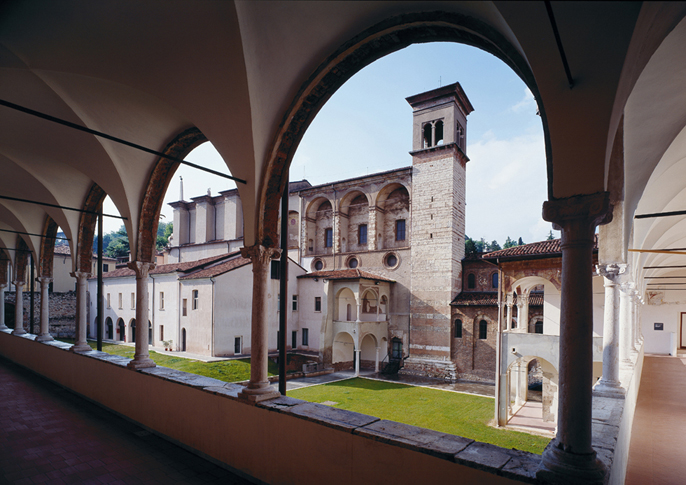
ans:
(527, 102)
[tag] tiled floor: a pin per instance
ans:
(657, 454)
(49, 435)
(530, 416)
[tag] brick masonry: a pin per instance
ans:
(62, 312)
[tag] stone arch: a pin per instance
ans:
(157, 186)
(369, 303)
(5, 276)
(392, 204)
(318, 217)
(21, 258)
(354, 220)
(343, 348)
(368, 347)
(346, 305)
(84, 247)
(47, 248)
(109, 328)
(550, 384)
(132, 330)
(121, 329)
(387, 36)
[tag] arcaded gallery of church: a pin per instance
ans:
(104, 99)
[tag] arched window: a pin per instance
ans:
(471, 281)
(483, 330)
(494, 280)
(538, 326)
(458, 328)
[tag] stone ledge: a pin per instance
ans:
(331, 417)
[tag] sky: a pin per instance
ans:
(366, 127)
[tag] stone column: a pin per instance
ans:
(376, 361)
(141, 358)
(519, 400)
(371, 231)
(81, 344)
(258, 388)
(19, 308)
(508, 318)
(625, 325)
(2, 306)
(356, 356)
(608, 385)
(44, 335)
(523, 316)
(336, 232)
(570, 457)
(636, 318)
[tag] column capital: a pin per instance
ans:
(141, 268)
(611, 272)
(590, 210)
(18, 283)
(80, 275)
(3, 285)
(44, 280)
(260, 254)
(509, 299)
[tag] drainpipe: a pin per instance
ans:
(334, 231)
(212, 320)
(179, 308)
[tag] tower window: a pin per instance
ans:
(458, 328)
(400, 230)
(362, 236)
(494, 280)
(483, 330)
(328, 238)
(471, 281)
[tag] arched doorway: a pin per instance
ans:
(132, 326)
(149, 333)
(368, 354)
(343, 351)
(183, 340)
(109, 327)
(121, 326)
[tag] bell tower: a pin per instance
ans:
(438, 224)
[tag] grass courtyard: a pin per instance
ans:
(449, 412)
(226, 370)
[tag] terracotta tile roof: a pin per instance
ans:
(346, 274)
(182, 267)
(542, 249)
(217, 269)
(65, 250)
(490, 298)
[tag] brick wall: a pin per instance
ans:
(62, 312)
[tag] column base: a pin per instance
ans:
(18, 331)
(44, 337)
(145, 363)
(4, 327)
(562, 467)
(258, 395)
(609, 389)
(80, 348)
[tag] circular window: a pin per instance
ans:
(352, 263)
(318, 264)
(391, 260)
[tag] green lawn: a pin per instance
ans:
(449, 412)
(226, 370)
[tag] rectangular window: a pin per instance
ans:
(306, 337)
(105, 268)
(238, 345)
(328, 238)
(317, 303)
(294, 339)
(108, 301)
(195, 299)
(161, 332)
(276, 270)
(400, 230)
(161, 300)
(121, 301)
(184, 307)
(295, 303)
(362, 237)
(133, 301)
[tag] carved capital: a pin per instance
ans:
(589, 210)
(260, 255)
(141, 268)
(18, 283)
(44, 281)
(80, 275)
(611, 272)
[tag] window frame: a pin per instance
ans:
(362, 234)
(483, 329)
(294, 303)
(184, 307)
(328, 237)
(196, 300)
(458, 328)
(400, 233)
(305, 337)
(161, 300)
(317, 304)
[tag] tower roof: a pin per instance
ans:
(429, 98)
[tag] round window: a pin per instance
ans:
(318, 265)
(391, 260)
(352, 263)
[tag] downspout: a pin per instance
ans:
(179, 306)
(498, 348)
(212, 319)
(152, 312)
(334, 220)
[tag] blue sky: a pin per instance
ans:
(366, 127)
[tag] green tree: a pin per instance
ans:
(520, 242)
(469, 246)
(550, 236)
(164, 230)
(117, 244)
(509, 243)
(494, 246)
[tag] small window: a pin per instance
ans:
(458, 328)
(133, 300)
(161, 300)
(391, 260)
(328, 238)
(161, 332)
(108, 301)
(105, 268)
(318, 265)
(238, 345)
(195, 299)
(121, 301)
(294, 339)
(306, 337)
(396, 349)
(184, 307)
(494, 280)
(352, 263)
(317, 303)
(362, 236)
(400, 230)
(275, 270)
(295, 303)
(483, 330)
(471, 281)
(538, 326)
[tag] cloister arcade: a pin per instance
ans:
(607, 79)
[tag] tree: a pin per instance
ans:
(117, 243)
(550, 236)
(509, 243)
(520, 242)
(494, 246)
(469, 246)
(164, 230)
